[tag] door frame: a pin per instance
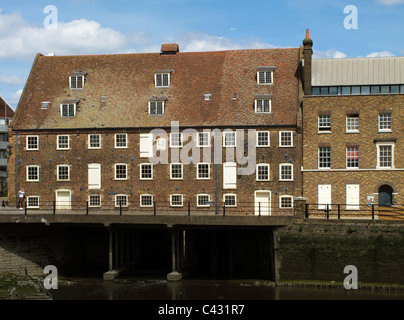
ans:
(256, 210)
(70, 199)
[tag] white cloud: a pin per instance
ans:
(12, 80)
(329, 54)
(380, 54)
(14, 98)
(390, 2)
(21, 40)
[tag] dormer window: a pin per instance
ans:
(157, 106)
(265, 75)
(77, 80)
(162, 79)
(68, 108)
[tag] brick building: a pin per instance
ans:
(353, 120)
(6, 114)
(125, 130)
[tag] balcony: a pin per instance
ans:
(3, 145)
(3, 128)
(3, 162)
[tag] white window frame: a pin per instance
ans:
(284, 197)
(27, 175)
(347, 160)
(27, 146)
(198, 143)
(58, 173)
(262, 145)
(163, 106)
(141, 168)
(126, 140)
(291, 139)
(168, 74)
(82, 82)
(291, 171)
(117, 203)
(257, 171)
(89, 141)
(32, 206)
(126, 171)
(262, 106)
(181, 140)
(318, 155)
(384, 144)
(68, 108)
(390, 121)
(45, 104)
(354, 118)
(230, 195)
(171, 171)
(146, 205)
(202, 195)
(322, 127)
(92, 205)
(265, 83)
(176, 195)
(58, 142)
(225, 140)
(198, 171)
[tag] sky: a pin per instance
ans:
(339, 29)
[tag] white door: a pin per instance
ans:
(63, 199)
(262, 203)
(94, 176)
(352, 196)
(229, 175)
(146, 145)
(324, 196)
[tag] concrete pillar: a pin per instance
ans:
(276, 256)
(174, 275)
(111, 253)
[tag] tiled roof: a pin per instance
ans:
(128, 82)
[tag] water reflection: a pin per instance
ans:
(160, 289)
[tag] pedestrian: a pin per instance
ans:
(21, 197)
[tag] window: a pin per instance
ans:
(285, 202)
(324, 157)
(229, 175)
(146, 145)
(385, 122)
(202, 200)
(162, 79)
(286, 172)
(203, 171)
(146, 200)
(121, 140)
(77, 82)
(94, 200)
(146, 171)
(352, 123)
(63, 142)
(203, 139)
(32, 143)
(264, 77)
(32, 202)
(68, 110)
(285, 138)
(156, 107)
(262, 138)
(230, 200)
(229, 139)
(263, 105)
(385, 153)
(176, 200)
(262, 173)
(175, 139)
(324, 123)
(45, 104)
(176, 171)
(63, 173)
(94, 176)
(121, 171)
(32, 173)
(352, 157)
(121, 200)
(94, 141)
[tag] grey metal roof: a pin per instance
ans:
(357, 71)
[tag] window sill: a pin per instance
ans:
(385, 131)
(352, 131)
(324, 132)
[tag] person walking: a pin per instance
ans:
(21, 197)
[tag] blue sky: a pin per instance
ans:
(130, 26)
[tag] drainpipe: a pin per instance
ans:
(16, 169)
(217, 173)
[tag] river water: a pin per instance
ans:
(188, 289)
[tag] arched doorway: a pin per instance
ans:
(385, 195)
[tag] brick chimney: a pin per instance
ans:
(170, 48)
(307, 53)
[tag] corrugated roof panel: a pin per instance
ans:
(358, 71)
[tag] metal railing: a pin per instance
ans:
(350, 211)
(158, 208)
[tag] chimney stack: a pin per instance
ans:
(307, 53)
